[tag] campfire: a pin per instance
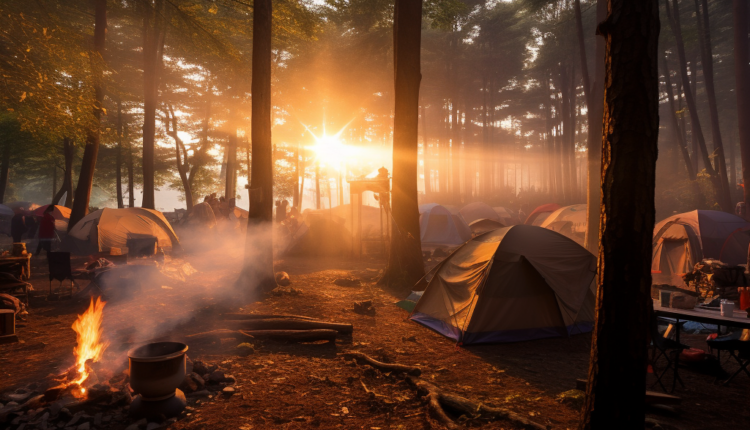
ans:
(88, 336)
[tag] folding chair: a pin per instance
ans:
(670, 349)
(738, 348)
(60, 269)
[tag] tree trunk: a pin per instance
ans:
(673, 15)
(131, 173)
(704, 36)
(88, 164)
(230, 190)
(594, 103)
(742, 82)
(296, 193)
(317, 186)
(4, 169)
(257, 273)
(154, 32)
(118, 157)
(69, 151)
(426, 161)
(405, 265)
(682, 146)
(615, 396)
(181, 157)
(564, 86)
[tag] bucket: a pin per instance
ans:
(727, 308)
(7, 322)
(157, 369)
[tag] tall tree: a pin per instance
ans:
(742, 82)
(90, 151)
(154, 33)
(258, 273)
(69, 151)
(617, 369)
(405, 265)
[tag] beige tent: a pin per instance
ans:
(512, 284)
(102, 230)
(570, 221)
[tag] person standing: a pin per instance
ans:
(46, 231)
(18, 225)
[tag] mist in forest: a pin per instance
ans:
(503, 118)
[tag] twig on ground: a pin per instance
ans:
(387, 367)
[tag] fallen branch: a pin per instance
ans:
(216, 335)
(265, 316)
(294, 335)
(439, 401)
(288, 324)
(386, 367)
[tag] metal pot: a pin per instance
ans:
(157, 369)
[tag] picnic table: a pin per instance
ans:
(20, 266)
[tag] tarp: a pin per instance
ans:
(683, 240)
(538, 215)
(511, 284)
(437, 226)
(60, 213)
(482, 226)
(570, 221)
(104, 229)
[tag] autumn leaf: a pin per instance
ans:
(23, 96)
(213, 9)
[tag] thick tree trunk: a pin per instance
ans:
(405, 265)
(427, 156)
(131, 173)
(594, 104)
(4, 169)
(88, 164)
(118, 157)
(615, 396)
(704, 36)
(230, 190)
(673, 14)
(154, 32)
(257, 273)
(742, 82)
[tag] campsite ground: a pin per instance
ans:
(291, 386)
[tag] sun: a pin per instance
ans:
(330, 150)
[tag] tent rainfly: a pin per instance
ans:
(512, 284)
(570, 221)
(541, 213)
(102, 230)
(478, 210)
(683, 240)
(437, 226)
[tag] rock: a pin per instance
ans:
(73, 421)
(200, 368)
(98, 419)
(84, 426)
(53, 393)
(347, 282)
(216, 376)
(133, 426)
(188, 384)
(107, 418)
(229, 379)
(282, 278)
(198, 380)
(19, 396)
(228, 391)
(364, 308)
(245, 349)
(188, 364)
(152, 426)
(201, 393)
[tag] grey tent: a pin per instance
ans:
(512, 284)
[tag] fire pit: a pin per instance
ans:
(156, 370)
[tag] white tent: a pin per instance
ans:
(102, 230)
(437, 226)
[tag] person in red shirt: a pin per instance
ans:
(46, 231)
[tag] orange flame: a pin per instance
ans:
(88, 333)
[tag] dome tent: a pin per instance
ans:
(541, 213)
(478, 210)
(570, 221)
(104, 229)
(683, 240)
(512, 284)
(437, 226)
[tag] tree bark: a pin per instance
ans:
(181, 158)
(296, 192)
(426, 161)
(615, 396)
(5, 170)
(118, 157)
(131, 173)
(594, 104)
(88, 164)
(673, 15)
(257, 273)
(682, 146)
(742, 79)
(704, 36)
(69, 151)
(230, 190)
(154, 32)
(405, 265)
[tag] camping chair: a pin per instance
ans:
(738, 346)
(664, 346)
(60, 269)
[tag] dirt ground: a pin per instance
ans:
(301, 386)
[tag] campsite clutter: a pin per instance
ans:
(493, 279)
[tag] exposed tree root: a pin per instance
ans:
(294, 335)
(387, 367)
(288, 324)
(215, 336)
(439, 401)
(265, 316)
